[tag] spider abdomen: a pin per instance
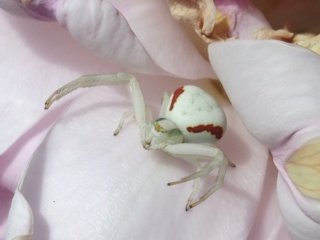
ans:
(197, 115)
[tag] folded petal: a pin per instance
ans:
(103, 30)
(169, 46)
(116, 31)
(86, 183)
(20, 212)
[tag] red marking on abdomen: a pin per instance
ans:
(213, 130)
(176, 94)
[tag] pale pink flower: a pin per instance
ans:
(84, 183)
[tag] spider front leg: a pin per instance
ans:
(193, 152)
(139, 108)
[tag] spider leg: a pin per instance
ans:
(195, 187)
(214, 188)
(164, 104)
(139, 108)
(149, 115)
(125, 115)
(130, 113)
(191, 152)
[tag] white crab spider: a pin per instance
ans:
(190, 121)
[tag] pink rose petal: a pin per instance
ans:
(38, 58)
(47, 57)
(129, 34)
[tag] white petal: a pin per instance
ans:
(274, 86)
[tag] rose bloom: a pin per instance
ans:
(63, 175)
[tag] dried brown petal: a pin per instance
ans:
(268, 33)
(203, 17)
(309, 41)
(306, 40)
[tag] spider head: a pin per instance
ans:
(160, 133)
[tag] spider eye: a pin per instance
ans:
(163, 125)
(160, 125)
(162, 132)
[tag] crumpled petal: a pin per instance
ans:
(83, 182)
(275, 87)
(219, 20)
(199, 15)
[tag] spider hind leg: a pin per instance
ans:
(191, 152)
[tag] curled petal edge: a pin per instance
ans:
(21, 213)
